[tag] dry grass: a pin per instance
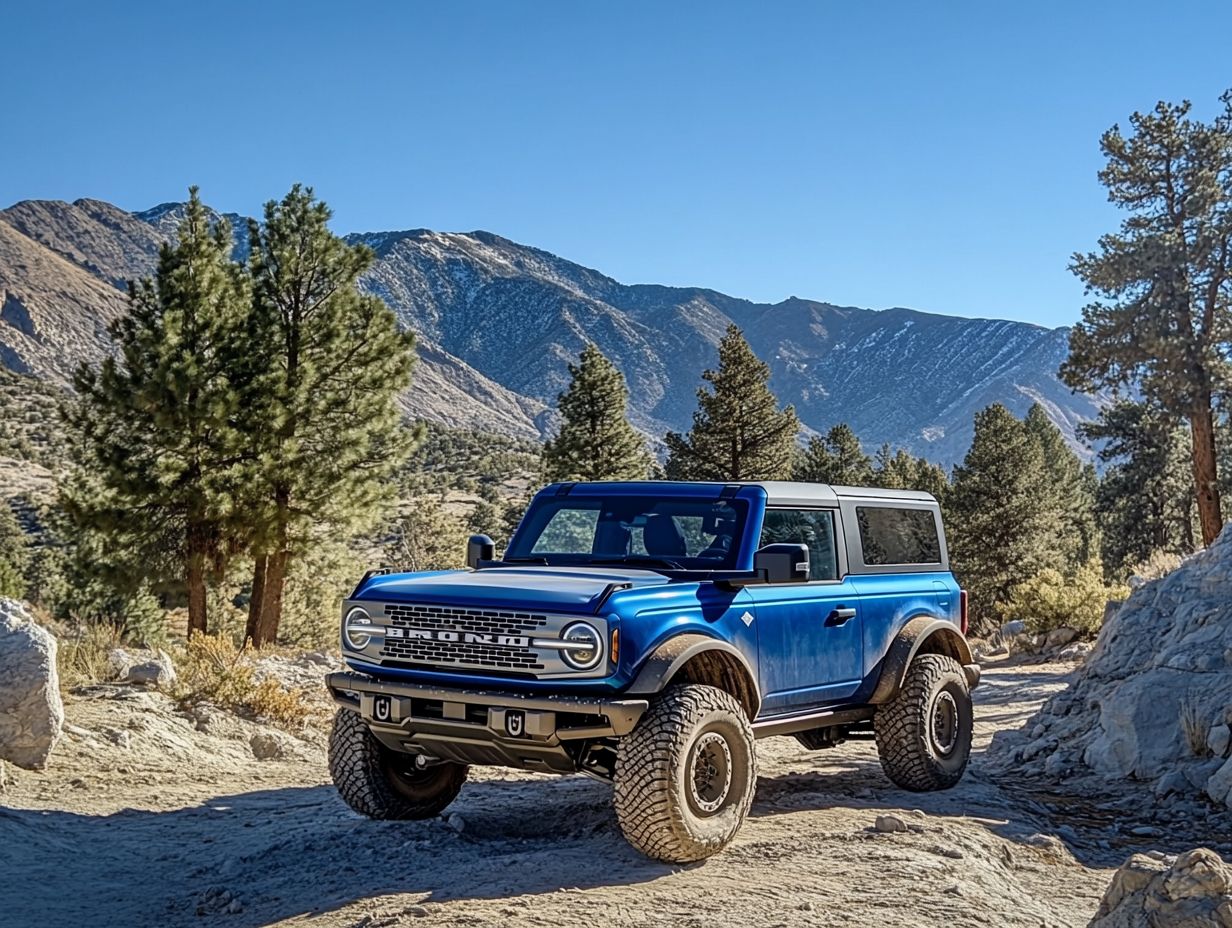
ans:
(212, 669)
(82, 655)
(1195, 726)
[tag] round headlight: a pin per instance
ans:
(353, 634)
(588, 646)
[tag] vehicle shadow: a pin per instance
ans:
(293, 852)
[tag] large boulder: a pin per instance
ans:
(31, 713)
(1193, 890)
(1155, 690)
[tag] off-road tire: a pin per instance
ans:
(919, 750)
(663, 773)
(383, 784)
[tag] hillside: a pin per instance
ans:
(499, 321)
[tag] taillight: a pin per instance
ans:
(962, 610)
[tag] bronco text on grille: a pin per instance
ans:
(426, 634)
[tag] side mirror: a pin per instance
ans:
(479, 548)
(782, 563)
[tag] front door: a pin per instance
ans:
(809, 635)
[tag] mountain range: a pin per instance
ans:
(497, 323)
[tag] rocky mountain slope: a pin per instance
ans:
(498, 322)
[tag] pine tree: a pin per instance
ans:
(901, 470)
(596, 441)
(739, 432)
(1000, 534)
(1164, 279)
(154, 430)
(327, 365)
(837, 459)
(1068, 490)
(1145, 497)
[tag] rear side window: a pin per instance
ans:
(898, 536)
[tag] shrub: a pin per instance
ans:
(1195, 727)
(82, 656)
(1051, 599)
(1155, 567)
(214, 670)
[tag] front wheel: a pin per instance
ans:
(685, 775)
(385, 784)
(924, 733)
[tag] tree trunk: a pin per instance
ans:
(1206, 485)
(257, 603)
(195, 581)
(271, 605)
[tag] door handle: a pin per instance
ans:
(840, 616)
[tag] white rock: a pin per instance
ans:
(1190, 890)
(31, 713)
(1013, 629)
(270, 745)
(158, 671)
(1059, 637)
(1219, 786)
(1219, 739)
(888, 824)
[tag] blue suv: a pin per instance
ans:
(647, 633)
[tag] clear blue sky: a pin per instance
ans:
(934, 155)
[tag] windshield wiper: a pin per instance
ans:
(543, 561)
(645, 559)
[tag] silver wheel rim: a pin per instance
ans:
(944, 724)
(710, 774)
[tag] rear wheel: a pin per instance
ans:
(385, 784)
(685, 775)
(924, 733)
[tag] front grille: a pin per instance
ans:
(457, 619)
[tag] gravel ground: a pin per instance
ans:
(149, 816)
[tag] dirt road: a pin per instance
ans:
(149, 817)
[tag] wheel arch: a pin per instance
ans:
(696, 658)
(924, 634)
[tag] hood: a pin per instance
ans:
(565, 589)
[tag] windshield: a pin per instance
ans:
(687, 534)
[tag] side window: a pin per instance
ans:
(813, 527)
(898, 536)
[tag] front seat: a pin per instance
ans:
(662, 537)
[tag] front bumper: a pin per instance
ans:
(496, 727)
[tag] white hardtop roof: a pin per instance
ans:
(787, 492)
(792, 492)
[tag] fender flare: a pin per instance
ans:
(925, 634)
(670, 657)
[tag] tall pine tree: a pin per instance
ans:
(329, 362)
(901, 470)
(1145, 497)
(739, 432)
(838, 459)
(596, 441)
(154, 430)
(1001, 532)
(1068, 490)
(1164, 279)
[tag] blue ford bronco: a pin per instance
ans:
(647, 633)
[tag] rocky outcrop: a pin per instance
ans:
(1154, 698)
(1193, 890)
(31, 714)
